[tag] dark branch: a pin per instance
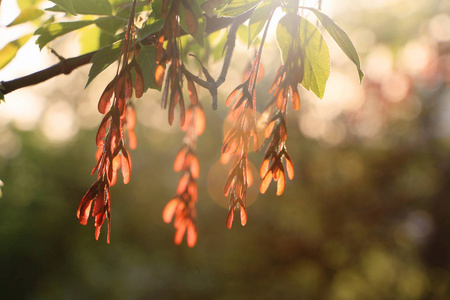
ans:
(66, 66)
(211, 84)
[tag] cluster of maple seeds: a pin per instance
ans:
(182, 206)
(113, 155)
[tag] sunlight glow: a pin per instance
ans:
(59, 123)
(23, 109)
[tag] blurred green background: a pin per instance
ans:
(367, 215)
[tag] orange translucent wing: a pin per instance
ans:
(289, 166)
(179, 234)
(200, 121)
(243, 216)
(269, 129)
(228, 184)
(102, 130)
(182, 184)
(104, 102)
(189, 119)
(192, 92)
(173, 102)
(169, 210)
(132, 140)
(86, 202)
(295, 98)
(193, 191)
(179, 160)
(182, 110)
(159, 75)
(281, 184)
(280, 99)
(230, 218)
(131, 117)
(249, 177)
(126, 169)
(264, 167)
(139, 81)
(128, 86)
(99, 203)
(191, 235)
(195, 167)
(265, 182)
(108, 237)
(232, 97)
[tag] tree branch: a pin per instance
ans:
(211, 84)
(68, 65)
(65, 66)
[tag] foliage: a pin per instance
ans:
(150, 41)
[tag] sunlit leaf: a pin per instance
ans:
(314, 51)
(89, 39)
(28, 14)
(237, 7)
(242, 33)
(151, 28)
(156, 8)
(258, 20)
(52, 31)
(66, 5)
(10, 50)
(217, 41)
(341, 39)
(110, 24)
(146, 61)
(103, 59)
(209, 6)
(83, 7)
(187, 23)
(24, 4)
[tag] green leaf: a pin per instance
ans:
(200, 33)
(152, 26)
(83, 7)
(258, 20)
(103, 59)
(210, 5)
(216, 43)
(146, 61)
(89, 39)
(341, 39)
(26, 15)
(156, 8)
(66, 5)
(10, 50)
(237, 7)
(242, 33)
(52, 31)
(296, 30)
(110, 24)
(23, 4)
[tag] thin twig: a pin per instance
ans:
(210, 84)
